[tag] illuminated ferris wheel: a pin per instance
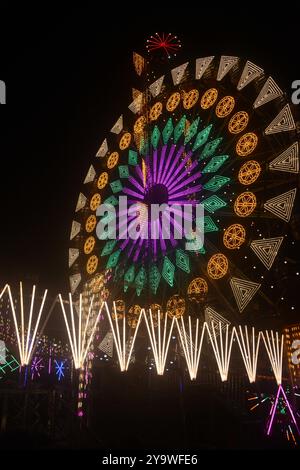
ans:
(216, 131)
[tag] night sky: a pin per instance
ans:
(68, 78)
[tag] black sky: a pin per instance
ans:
(68, 78)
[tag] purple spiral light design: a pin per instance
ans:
(170, 179)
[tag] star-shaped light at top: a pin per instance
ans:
(165, 42)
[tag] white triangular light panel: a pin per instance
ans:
(283, 122)
(76, 226)
(74, 282)
(282, 205)
(73, 255)
(136, 104)
(81, 202)
(212, 316)
(90, 176)
(226, 64)
(118, 126)
(178, 73)
(269, 92)
(155, 88)
(103, 149)
(243, 291)
(250, 72)
(267, 249)
(202, 65)
(287, 161)
(107, 344)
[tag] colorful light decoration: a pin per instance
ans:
(26, 335)
(80, 335)
(234, 236)
(160, 340)
(217, 266)
(165, 42)
(124, 353)
(274, 407)
(179, 132)
(249, 172)
(246, 144)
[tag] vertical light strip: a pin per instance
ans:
(249, 353)
(78, 341)
(160, 347)
(274, 348)
(191, 351)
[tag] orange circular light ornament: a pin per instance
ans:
(92, 264)
(234, 236)
(139, 125)
(209, 98)
(89, 245)
(173, 102)
(225, 106)
(155, 111)
(112, 160)
(175, 306)
(155, 308)
(102, 180)
(104, 294)
(246, 144)
(238, 122)
(245, 204)
(96, 283)
(95, 201)
(90, 223)
(197, 289)
(119, 310)
(190, 99)
(125, 141)
(249, 172)
(217, 266)
(133, 315)
(135, 310)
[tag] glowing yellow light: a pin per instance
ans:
(125, 141)
(173, 102)
(92, 264)
(112, 160)
(139, 63)
(89, 245)
(217, 266)
(155, 111)
(25, 336)
(234, 236)
(80, 341)
(249, 172)
(245, 204)
(144, 170)
(197, 289)
(102, 180)
(209, 98)
(90, 223)
(95, 201)
(156, 310)
(190, 99)
(175, 306)
(225, 106)
(139, 125)
(246, 144)
(238, 122)
(133, 315)
(119, 310)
